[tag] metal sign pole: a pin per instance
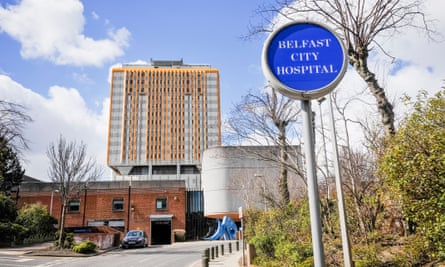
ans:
(347, 257)
(306, 60)
(312, 185)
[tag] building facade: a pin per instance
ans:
(158, 208)
(163, 116)
(246, 176)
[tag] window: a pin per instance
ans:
(118, 204)
(161, 203)
(74, 206)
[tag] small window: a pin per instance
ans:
(161, 203)
(118, 204)
(74, 206)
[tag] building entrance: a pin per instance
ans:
(161, 229)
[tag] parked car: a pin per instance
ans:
(135, 238)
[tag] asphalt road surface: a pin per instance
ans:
(178, 254)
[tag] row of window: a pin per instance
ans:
(117, 205)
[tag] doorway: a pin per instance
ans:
(161, 230)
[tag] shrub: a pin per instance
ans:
(39, 238)
(67, 240)
(414, 253)
(414, 169)
(12, 233)
(37, 219)
(85, 247)
(8, 209)
(280, 236)
(294, 254)
(366, 256)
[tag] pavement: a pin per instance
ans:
(227, 260)
(42, 249)
(22, 250)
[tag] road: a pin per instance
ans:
(178, 254)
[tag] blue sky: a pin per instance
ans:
(197, 31)
(55, 58)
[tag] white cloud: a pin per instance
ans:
(53, 30)
(63, 112)
(422, 69)
(95, 15)
(82, 77)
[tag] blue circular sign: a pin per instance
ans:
(304, 60)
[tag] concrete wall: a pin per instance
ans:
(241, 176)
(234, 177)
(102, 240)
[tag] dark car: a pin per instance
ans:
(135, 238)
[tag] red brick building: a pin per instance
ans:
(158, 207)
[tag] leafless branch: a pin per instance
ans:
(359, 23)
(70, 169)
(13, 120)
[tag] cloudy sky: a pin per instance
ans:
(55, 58)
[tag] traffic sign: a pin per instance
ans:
(304, 60)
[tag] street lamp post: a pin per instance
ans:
(51, 203)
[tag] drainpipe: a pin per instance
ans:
(84, 206)
(129, 206)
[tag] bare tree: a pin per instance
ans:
(358, 168)
(264, 119)
(13, 119)
(359, 23)
(70, 170)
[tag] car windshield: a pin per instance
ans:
(134, 233)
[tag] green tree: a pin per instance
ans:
(414, 166)
(9, 231)
(36, 218)
(8, 209)
(11, 172)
